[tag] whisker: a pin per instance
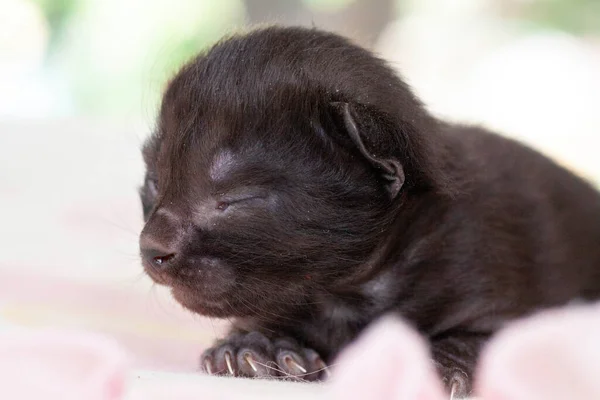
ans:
(295, 376)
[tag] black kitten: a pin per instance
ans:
(295, 185)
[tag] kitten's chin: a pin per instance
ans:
(217, 308)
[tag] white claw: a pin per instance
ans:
(289, 360)
(228, 362)
(452, 390)
(250, 362)
(207, 367)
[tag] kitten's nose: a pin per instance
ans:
(155, 254)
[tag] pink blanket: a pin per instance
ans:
(60, 365)
(555, 355)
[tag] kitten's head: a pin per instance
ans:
(280, 160)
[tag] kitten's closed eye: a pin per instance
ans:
(224, 204)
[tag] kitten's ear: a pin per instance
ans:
(363, 127)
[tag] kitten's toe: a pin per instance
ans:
(458, 383)
(299, 363)
(219, 360)
(255, 356)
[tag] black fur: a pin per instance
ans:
(337, 198)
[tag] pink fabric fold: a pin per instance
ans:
(554, 355)
(60, 365)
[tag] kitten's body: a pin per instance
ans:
(517, 223)
(304, 191)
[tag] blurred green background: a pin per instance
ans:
(112, 57)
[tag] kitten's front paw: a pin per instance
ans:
(254, 355)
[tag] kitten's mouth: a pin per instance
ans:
(205, 291)
(160, 277)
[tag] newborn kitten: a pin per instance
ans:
(297, 187)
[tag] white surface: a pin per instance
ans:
(158, 386)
